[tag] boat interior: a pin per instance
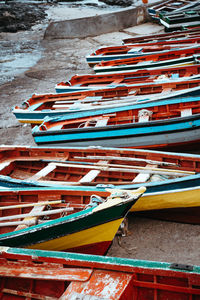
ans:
(95, 167)
(21, 209)
(131, 116)
(192, 53)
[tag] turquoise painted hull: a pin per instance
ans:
(37, 117)
(148, 135)
(151, 134)
(150, 65)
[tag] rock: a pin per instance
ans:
(123, 3)
(20, 16)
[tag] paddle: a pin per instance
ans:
(32, 204)
(123, 158)
(128, 169)
(44, 213)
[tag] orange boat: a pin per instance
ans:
(91, 81)
(36, 274)
(162, 36)
(35, 109)
(135, 50)
(171, 179)
(167, 59)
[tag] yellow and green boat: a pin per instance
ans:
(54, 225)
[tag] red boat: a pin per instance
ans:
(36, 274)
(153, 46)
(135, 50)
(158, 60)
(35, 109)
(92, 81)
(162, 36)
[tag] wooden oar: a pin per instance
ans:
(129, 169)
(152, 168)
(44, 213)
(32, 204)
(149, 161)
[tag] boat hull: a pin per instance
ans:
(148, 135)
(187, 61)
(173, 200)
(162, 192)
(32, 116)
(91, 231)
(40, 274)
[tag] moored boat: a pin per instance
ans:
(169, 6)
(53, 225)
(36, 108)
(132, 51)
(175, 21)
(94, 81)
(162, 36)
(52, 275)
(172, 179)
(166, 124)
(163, 60)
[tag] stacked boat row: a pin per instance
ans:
(146, 95)
(156, 108)
(176, 15)
(153, 105)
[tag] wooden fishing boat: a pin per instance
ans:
(174, 21)
(53, 225)
(165, 124)
(135, 50)
(162, 36)
(95, 81)
(35, 109)
(170, 6)
(37, 274)
(163, 60)
(172, 179)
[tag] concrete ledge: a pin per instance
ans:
(96, 25)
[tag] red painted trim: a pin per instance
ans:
(96, 249)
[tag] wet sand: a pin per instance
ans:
(58, 61)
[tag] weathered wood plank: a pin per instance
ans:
(186, 112)
(91, 175)
(141, 177)
(40, 272)
(42, 173)
(31, 204)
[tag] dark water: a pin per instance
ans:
(20, 51)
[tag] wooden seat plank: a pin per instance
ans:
(186, 112)
(143, 177)
(42, 173)
(102, 122)
(91, 175)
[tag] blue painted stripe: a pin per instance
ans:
(150, 128)
(103, 111)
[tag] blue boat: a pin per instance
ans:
(135, 50)
(172, 179)
(165, 124)
(35, 109)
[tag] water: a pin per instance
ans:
(17, 56)
(22, 50)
